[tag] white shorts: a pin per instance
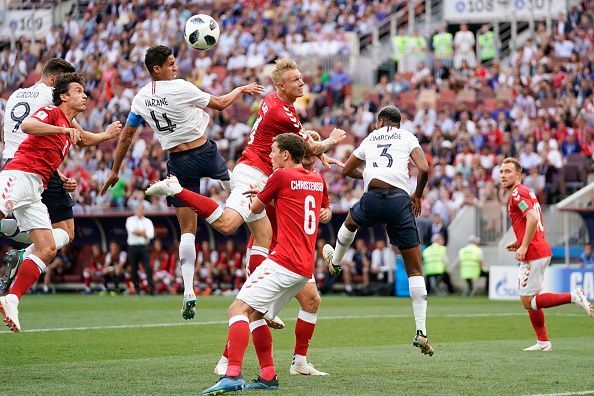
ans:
(243, 178)
(531, 276)
(20, 194)
(270, 287)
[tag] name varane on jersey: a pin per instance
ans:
(173, 109)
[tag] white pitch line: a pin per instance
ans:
(218, 322)
(588, 392)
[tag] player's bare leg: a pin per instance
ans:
(418, 294)
(187, 255)
(29, 272)
(309, 299)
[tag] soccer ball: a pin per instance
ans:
(202, 32)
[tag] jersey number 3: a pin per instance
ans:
(169, 127)
(384, 153)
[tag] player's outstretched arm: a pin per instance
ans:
(418, 157)
(91, 139)
(33, 126)
(222, 102)
(352, 167)
(120, 152)
(318, 148)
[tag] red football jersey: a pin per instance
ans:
(298, 196)
(274, 117)
(521, 201)
(42, 155)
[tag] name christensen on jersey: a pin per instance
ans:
(173, 109)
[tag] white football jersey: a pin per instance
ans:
(173, 109)
(21, 104)
(386, 152)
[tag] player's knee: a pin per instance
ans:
(526, 302)
(312, 303)
(47, 252)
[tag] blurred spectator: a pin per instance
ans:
(59, 265)
(443, 43)
(487, 45)
(357, 262)
(464, 47)
(471, 259)
(383, 261)
(113, 268)
(140, 232)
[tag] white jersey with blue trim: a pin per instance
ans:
(173, 108)
(21, 104)
(386, 152)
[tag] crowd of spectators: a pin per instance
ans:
(468, 110)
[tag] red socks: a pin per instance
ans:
(262, 340)
(204, 206)
(304, 329)
(538, 323)
(237, 342)
(28, 274)
(548, 300)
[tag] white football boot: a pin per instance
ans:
(582, 301)
(168, 187)
(275, 323)
(541, 346)
(10, 311)
(328, 255)
(304, 369)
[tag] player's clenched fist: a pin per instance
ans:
(337, 135)
(73, 134)
(114, 129)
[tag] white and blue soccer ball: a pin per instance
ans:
(202, 32)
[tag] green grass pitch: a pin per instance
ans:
(86, 345)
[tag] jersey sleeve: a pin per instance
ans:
(134, 120)
(522, 200)
(325, 199)
(189, 93)
(413, 142)
(360, 151)
(47, 115)
(268, 194)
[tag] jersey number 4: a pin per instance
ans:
(384, 153)
(169, 127)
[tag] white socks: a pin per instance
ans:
(187, 257)
(60, 237)
(344, 239)
(418, 294)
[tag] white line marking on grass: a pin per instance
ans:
(218, 322)
(588, 392)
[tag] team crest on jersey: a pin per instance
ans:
(264, 107)
(42, 115)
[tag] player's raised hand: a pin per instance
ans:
(416, 205)
(512, 247)
(328, 161)
(114, 129)
(252, 89)
(110, 182)
(337, 135)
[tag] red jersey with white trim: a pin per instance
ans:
(298, 195)
(521, 201)
(274, 117)
(42, 155)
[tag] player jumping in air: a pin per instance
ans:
(174, 110)
(276, 115)
(534, 254)
(387, 200)
(25, 177)
(56, 197)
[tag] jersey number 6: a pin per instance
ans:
(309, 217)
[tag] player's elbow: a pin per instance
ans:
(28, 125)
